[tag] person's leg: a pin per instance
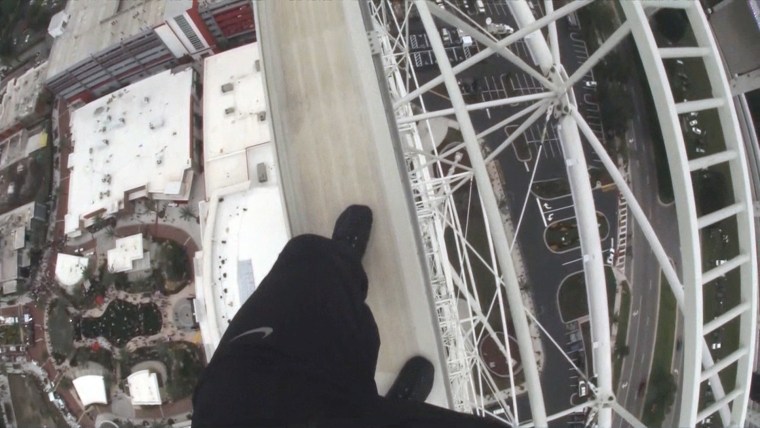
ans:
(313, 302)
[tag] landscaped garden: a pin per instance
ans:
(31, 405)
(662, 387)
(122, 321)
(183, 361)
(572, 298)
(550, 189)
(94, 354)
(60, 329)
(563, 235)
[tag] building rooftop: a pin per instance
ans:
(128, 254)
(234, 114)
(19, 97)
(58, 23)
(91, 390)
(97, 25)
(246, 224)
(143, 388)
(12, 234)
(245, 231)
(143, 128)
(69, 270)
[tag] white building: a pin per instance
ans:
(70, 270)
(143, 388)
(244, 223)
(134, 143)
(91, 389)
(58, 24)
(128, 255)
(21, 103)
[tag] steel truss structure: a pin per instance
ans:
(499, 307)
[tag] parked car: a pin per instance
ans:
(582, 389)
(446, 35)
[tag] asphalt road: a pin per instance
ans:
(643, 269)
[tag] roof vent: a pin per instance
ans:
(227, 87)
(229, 110)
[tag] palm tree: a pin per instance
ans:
(111, 232)
(187, 212)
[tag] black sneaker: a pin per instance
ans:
(353, 227)
(414, 382)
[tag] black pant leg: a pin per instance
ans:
(313, 300)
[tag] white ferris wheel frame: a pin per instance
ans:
(434, 177)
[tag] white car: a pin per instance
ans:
(590, 84)
(582, 389)
(446, 35)
(697, 131)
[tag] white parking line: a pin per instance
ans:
(572, 261)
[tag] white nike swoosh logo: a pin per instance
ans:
(266, 331)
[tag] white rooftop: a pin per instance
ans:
(19, 97)
(58, 23)
(245, 231)
(91, 390)
(128, 250)
(234, 114)
(97, 25)
(69, 270)
(12, 230)
(143, 388)
(135, 138)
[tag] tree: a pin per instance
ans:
(66, 383)
(622, 351)
(187, 212)
(111, 232)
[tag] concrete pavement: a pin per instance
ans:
(335, 148)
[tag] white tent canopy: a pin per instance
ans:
(91, 389)
(143, 388)
(69, 270)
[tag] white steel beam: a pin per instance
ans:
(478, 106)
(723, 363)
(691, 257)
(705, 162)
(689, 52)
(726, 317)
(611, 43)
(725, 268)
(517, 132)
(493, 218)
(575, 409)
(742, 193)
(487, 40)
(699, 105)
(719, 404)
(720, 215)
(553, 38)
(585, 213)
(499, 126)
(485, 53)
(668, 4)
